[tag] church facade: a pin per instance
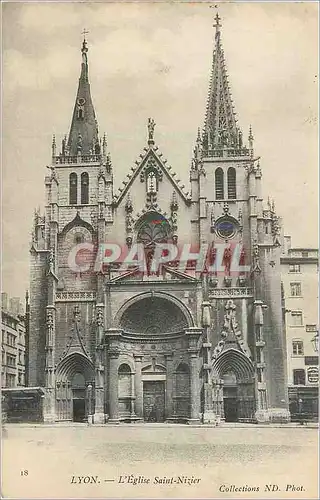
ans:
(182, 341)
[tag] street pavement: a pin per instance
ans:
(152, 461)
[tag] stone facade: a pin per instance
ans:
(299, 271)
(180, 342)
(13, 342)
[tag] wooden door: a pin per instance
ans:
(154, 401)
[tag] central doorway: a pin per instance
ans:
(154, 401)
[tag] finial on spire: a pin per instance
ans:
(250, 138)
(199, 135)
(84, 43)
(217, 24)
(217, 19)
(53, 146)
(104, 145)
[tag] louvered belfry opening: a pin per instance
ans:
(232, 184)
(219, 180)
(73, 189)
(84, 188)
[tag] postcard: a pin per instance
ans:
(160, 262)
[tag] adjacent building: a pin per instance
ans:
(299, 270)
(178, 342)
(13, 342)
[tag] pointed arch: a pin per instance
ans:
(219, 183)
(84, 188)
(232, 183)
(73, 364)
(235, 361)
(73, 189)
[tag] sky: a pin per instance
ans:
(154, 60)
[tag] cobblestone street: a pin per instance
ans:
(102, 462)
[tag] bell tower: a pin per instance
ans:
(68, 332)
(227, 204)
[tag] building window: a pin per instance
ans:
(10, 380)
(295, 289)
(84, 188)
(73, 189)
(297, 347)
(219, 184)
(296, 318)
(232, 185)
(294, 268)
(299, 377)
(11, 340)
(3, 336)
(311, 328)
(311, 360)
(11, 360)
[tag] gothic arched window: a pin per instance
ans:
(84, 188)
(153, 228)
(80, 113)
(151, 182)
(73, 189)
(232, 187)
(219, 180)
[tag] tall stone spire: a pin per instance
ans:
(220, 128)
(83, 135)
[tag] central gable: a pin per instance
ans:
(152, 170)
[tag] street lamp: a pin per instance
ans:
(89, 392)
(315, 342)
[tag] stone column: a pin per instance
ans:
(49, 407)
(113, 387)
(194, 388)
(99, 416)
(138, 391)
(169, 386)
(112, 337)
(194, 334)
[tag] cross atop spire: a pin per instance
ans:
(217, 23)
(85, 32)
(220, 128)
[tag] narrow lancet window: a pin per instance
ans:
(232, 184)
(219, 184)
(73, 189)
(84, 188)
